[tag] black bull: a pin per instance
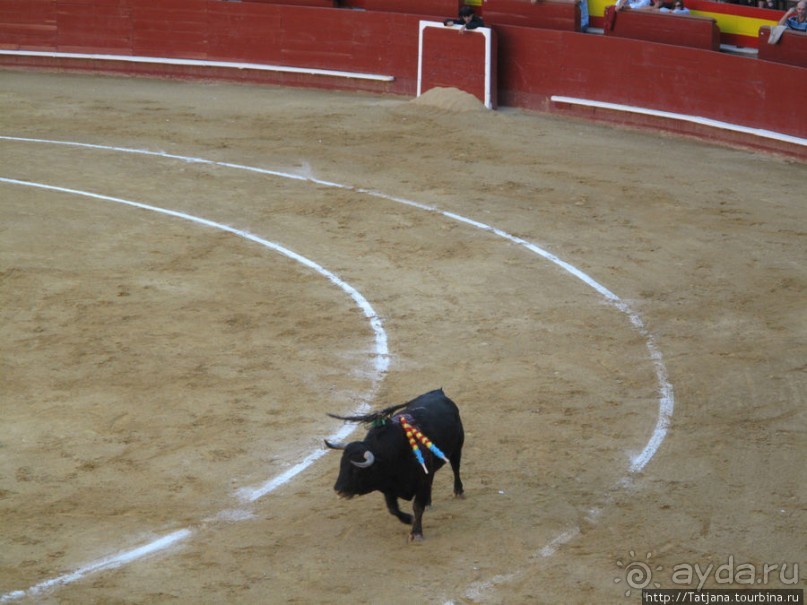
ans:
(386, 462)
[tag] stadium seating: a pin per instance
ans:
(665, 28)
(561, 15)
(791, 48)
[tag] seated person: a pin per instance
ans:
(796, 18)
(467, 18)
(677, 9)
(633, 4)
(584, 18)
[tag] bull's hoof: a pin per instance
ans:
(459, 495)
(416, 537)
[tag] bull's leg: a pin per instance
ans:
(393, 508)
(455, 468)
(418, 506)
(423, 496)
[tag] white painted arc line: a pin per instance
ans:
(382, 352)
(252, 494)
(666, 393)
(102, 564)
(476, 591)
(381, 363)
(160, 544)
(553, 545)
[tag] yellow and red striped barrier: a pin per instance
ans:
(739, 25)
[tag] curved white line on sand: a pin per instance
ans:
(666, 394)
(381, 363)
(106, 563)
(382, 353)
(666, 401)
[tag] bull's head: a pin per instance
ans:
(355, 476)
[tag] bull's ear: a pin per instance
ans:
(369, 458)
(335, 446)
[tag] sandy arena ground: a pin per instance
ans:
(159, 372)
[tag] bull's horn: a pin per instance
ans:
(369, 458)
(335, 446)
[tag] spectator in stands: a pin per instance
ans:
(584, 18)
(633, 4)
(796, 17)
(677, 9)
(467, 19)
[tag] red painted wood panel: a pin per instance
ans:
(347, 40)
(318, 38)
(663, 28)
(442, 9)
(88, 27)
(398, 53)
(244, 32)
(173, 28)
(31, 12)
(14, 36)
(319, 3)
(172, 16)
(791, 48)
(559, 14)
(28, 25)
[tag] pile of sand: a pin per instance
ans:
(450, 99)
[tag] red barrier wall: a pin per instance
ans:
(533, 64)
(791, 48)
(320, 3)
(249, 32)
(729, 88)
(550, 14)
(667, 28)
(440, 9)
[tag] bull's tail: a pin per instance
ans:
(382, 416)
(378, 417)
